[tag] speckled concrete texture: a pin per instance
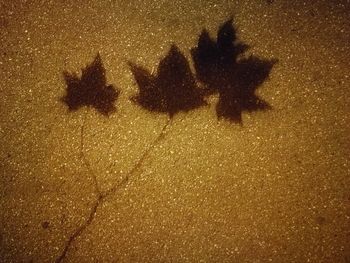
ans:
(78, 186)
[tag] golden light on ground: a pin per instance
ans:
(164, 131)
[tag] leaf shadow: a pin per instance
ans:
(90, 89)
(172, 89)
(222, 67)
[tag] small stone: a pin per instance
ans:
(45, 224)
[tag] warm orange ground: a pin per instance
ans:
(276, 189)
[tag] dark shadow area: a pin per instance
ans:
(172, 89)
(91, 89)
(221, 66)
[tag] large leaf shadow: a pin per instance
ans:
(172, 89)
(90, 89)
(221, 66)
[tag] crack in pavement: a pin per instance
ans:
(101, 197)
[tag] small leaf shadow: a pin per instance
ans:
(221, 66)
(172, 89)
(90, 89)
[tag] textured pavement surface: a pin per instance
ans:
(77, 186)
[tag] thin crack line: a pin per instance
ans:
(93, 175)
(140, 161)
(92, 213)
(84, 158)
(79, 230)
(102, 196)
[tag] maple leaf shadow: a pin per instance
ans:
(171, 89)
(221, 66)
(90, 89)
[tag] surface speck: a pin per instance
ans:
(45, 224)
(273, 186)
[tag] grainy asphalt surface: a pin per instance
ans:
(275, 189)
